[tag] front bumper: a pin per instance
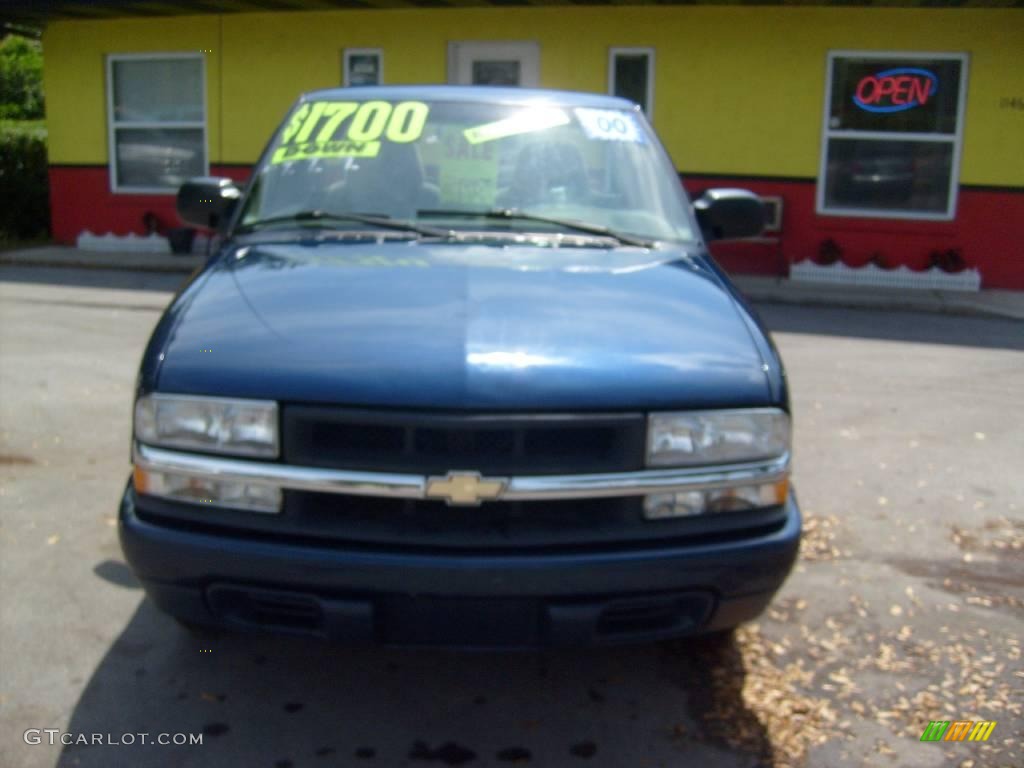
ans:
(368, 596)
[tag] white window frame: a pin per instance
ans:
(346, 57)
(772, 203)
(113, 124)
(956, 139)
(649, 52)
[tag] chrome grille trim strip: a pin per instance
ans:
(410, 486)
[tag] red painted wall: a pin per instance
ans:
(988, 232)
(80, 199)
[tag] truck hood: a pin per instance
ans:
(455, 326)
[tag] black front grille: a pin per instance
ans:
(395, 441)
(498, 524)
(433, 444)
(396, 525)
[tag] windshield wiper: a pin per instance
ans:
(383, 222)
(519, 215)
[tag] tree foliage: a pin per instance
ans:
(21, 78)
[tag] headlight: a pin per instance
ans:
(214, 424)
(663, 506)
(253, 497)
(690, 438)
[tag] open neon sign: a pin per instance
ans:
(896, 90)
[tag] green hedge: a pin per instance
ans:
(24, 185)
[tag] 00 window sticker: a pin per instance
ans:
(349, 128)
(609, 125)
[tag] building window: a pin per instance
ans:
(362, 66)
(772, 214)
(631, 76)
(892, 135)
(157, 120)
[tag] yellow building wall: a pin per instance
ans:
(75, 80)
(738, 90)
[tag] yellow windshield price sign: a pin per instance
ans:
(311, 149)
(348, 128)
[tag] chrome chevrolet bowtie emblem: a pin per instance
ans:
(465, 488)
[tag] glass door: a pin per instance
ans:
(515, 63)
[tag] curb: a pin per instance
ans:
(185, 264)
(937, 309)
(929, 301)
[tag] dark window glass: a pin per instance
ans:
(158, 90)
(905, 95)
(363, 69)
(630, 77)
(157, 157)
(495, 72)
(889, 175)
(161, 96)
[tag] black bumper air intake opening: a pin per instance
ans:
(653, 615)
(266, 608)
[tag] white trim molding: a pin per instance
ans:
(346, 59)
(871, 275)
(462, 54)
(773, 210)
(113, 124)
(616, 51)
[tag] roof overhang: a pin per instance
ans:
(38, 12)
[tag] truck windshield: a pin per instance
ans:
(443, 162)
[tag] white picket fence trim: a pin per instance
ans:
(872, 275)
(131, 243)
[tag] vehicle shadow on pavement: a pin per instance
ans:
(73, 277)
(261, 700)
(889, 325)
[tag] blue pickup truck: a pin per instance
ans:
(462, 373)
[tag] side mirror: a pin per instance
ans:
(207, 201)
(729, 214)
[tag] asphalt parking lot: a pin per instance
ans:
(907, 605)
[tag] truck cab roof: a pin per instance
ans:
(475, 93)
